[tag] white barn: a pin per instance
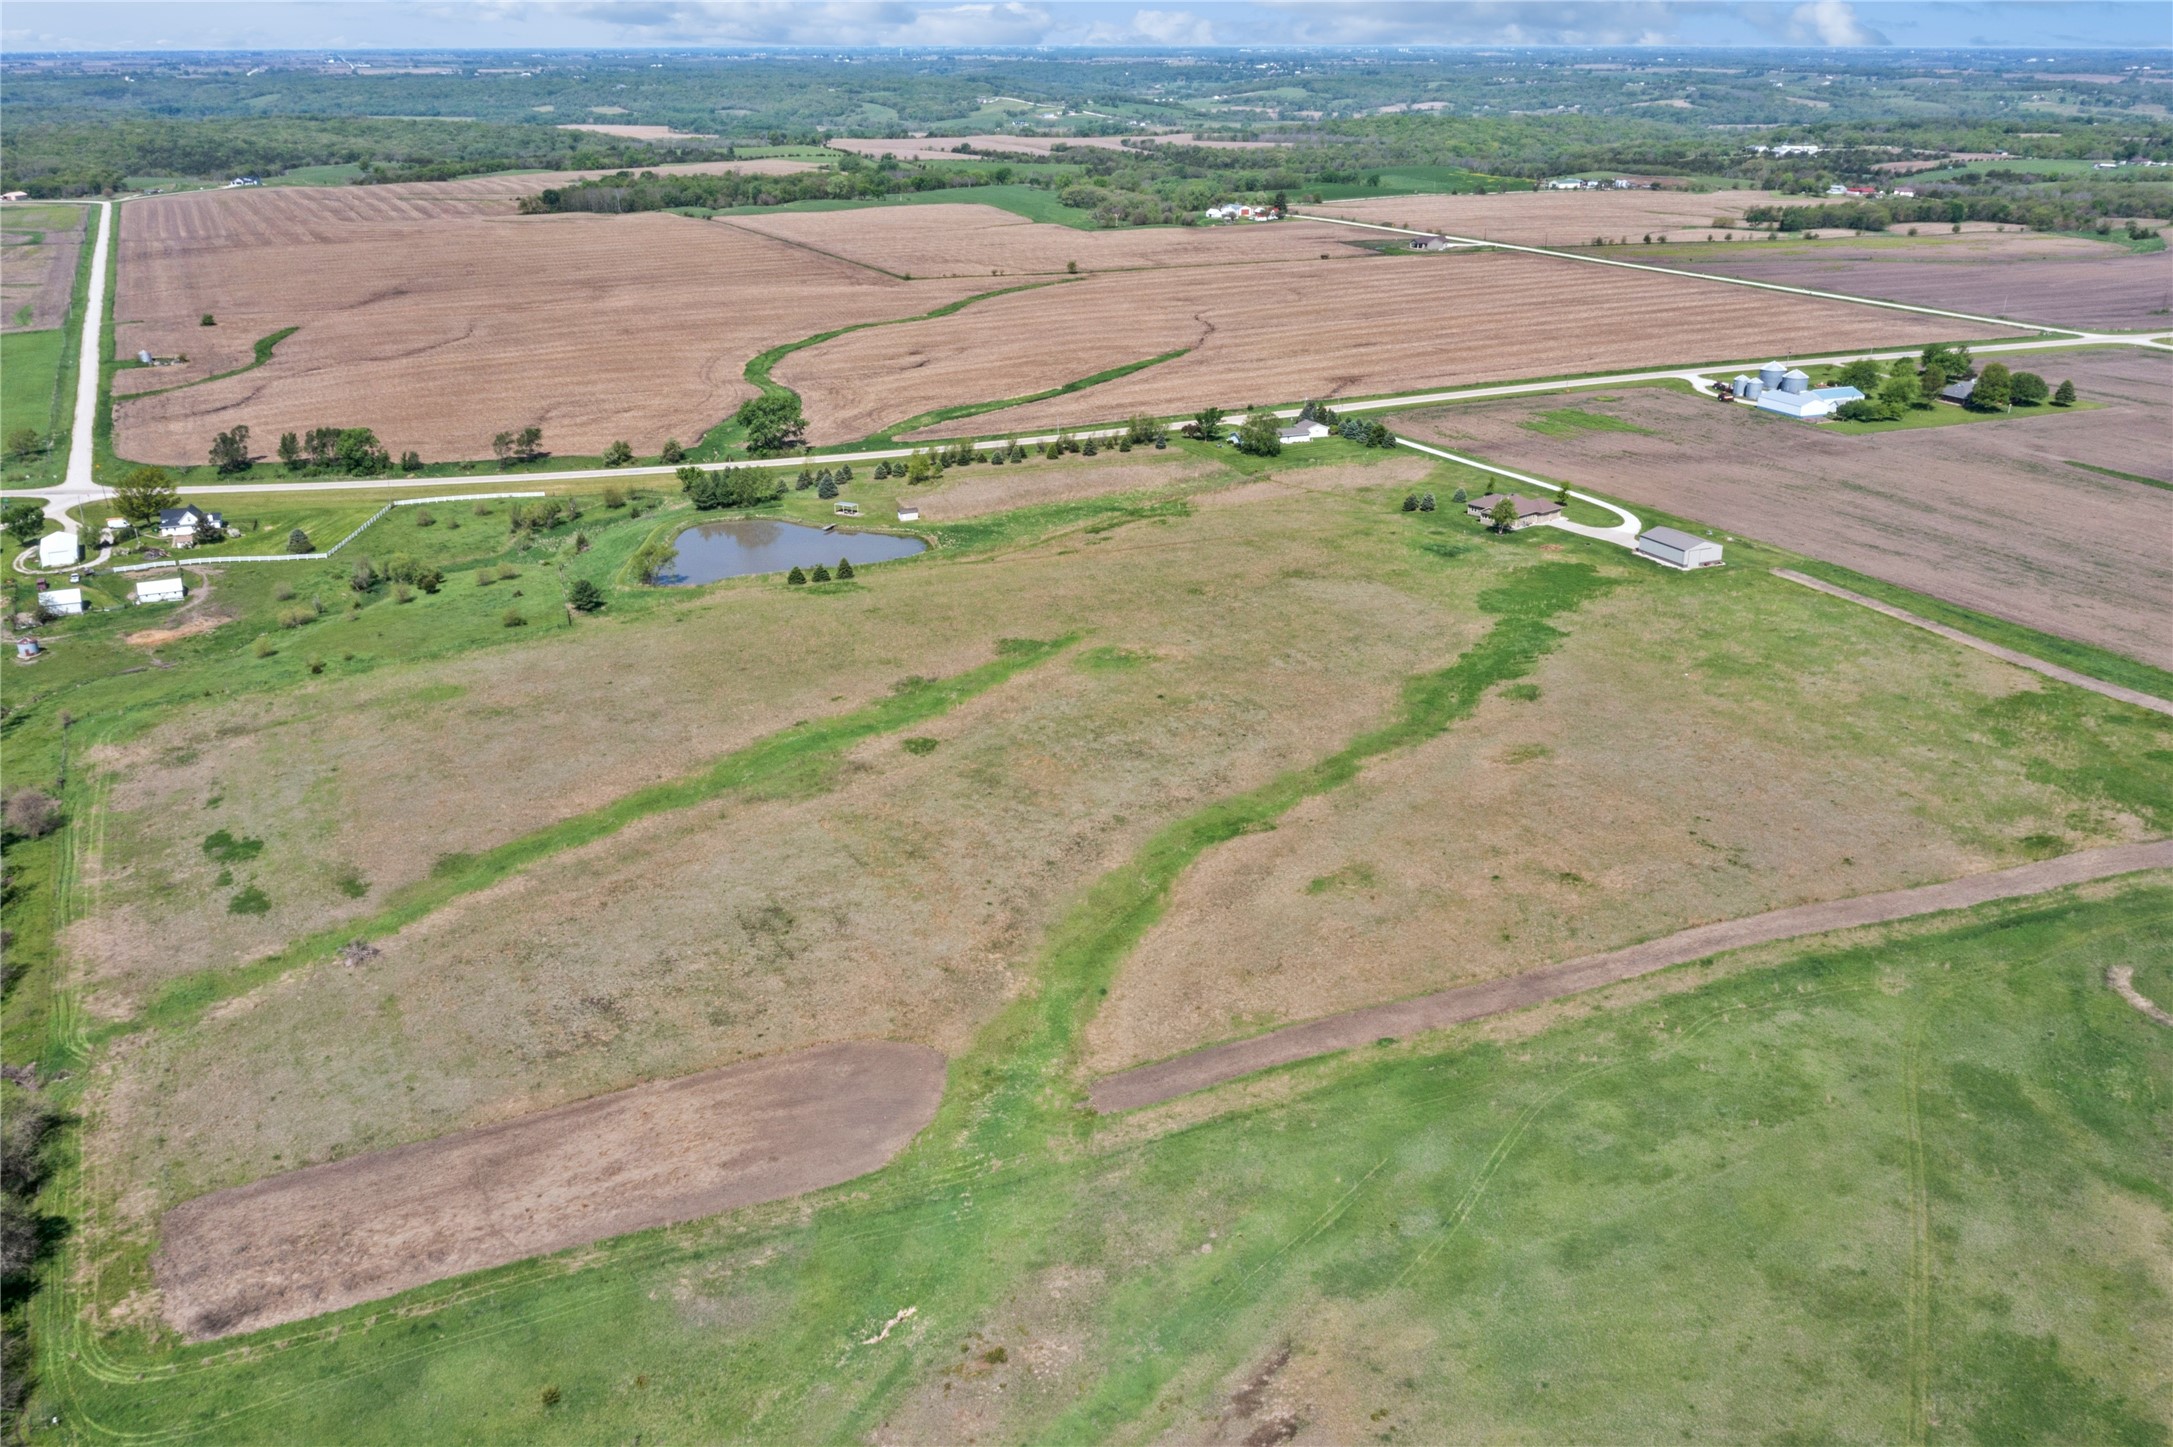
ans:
(1678, 549)
(160, 590)
(62, 602)
(58, 550)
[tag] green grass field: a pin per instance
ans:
(1807, 1199)
(29, 380)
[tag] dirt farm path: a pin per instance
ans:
(1956, 635)
(330, 1236)
(1152, 1084)
(2122, 979)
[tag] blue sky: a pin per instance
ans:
(89, 25)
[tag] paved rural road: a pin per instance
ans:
(1151, 1084)
(2020, 660)
(78, 486)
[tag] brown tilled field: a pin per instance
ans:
(312, 1241)
(972, 240)
(38, 245)
(1559, 218)
(1986, 514)
(438, 318)
(1668, 773)
(2059, 280)
(945, 148)
(1277, 332)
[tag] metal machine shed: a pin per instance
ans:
(1678, 549)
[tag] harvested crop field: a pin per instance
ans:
(1558, 218)
(1659, 770)
(965, 239)
(311, 1241)
(946, 148)
(1278, 332)
(38, 246)
(2058, 280)
(1988, 514)
(439, 318)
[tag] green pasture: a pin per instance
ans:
(1809, 1199)
(30, 382)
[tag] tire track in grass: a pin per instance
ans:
(1918, 1429)
(797, 759)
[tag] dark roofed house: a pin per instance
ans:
(1529, 509)
(1958, 391)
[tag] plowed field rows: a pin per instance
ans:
(973, 240)
(1560, 218)
(945, 148)
(1274, 333)
(440, 319)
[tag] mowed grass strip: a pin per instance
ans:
(798, 759)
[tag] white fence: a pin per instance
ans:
(328, 552)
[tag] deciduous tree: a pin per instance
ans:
(230, 450)
(143, 494)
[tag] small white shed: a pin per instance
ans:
(160, 590)
(908, 513)
(62, 602)
(1678, 549)
(58, 550)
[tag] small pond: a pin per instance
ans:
(760, 545)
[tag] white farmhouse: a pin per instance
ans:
(1678, 549)
(1303, 431)
(181, 525)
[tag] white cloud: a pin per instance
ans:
(1172, 27)
(1831, 22)
(1483, 22)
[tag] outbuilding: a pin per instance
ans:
(1678, 549)
(848, 509)
(27, 648)
(160, 590)
(908, 513)
(59, 550)
(62, 602)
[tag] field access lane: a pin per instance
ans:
(1152, 1084)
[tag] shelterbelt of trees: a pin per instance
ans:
(2076, 209)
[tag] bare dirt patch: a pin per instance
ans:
(316, 1240)
(38, 248)
(972, 240)
(1559, 218)
(159, 637)
(1276, 332)
(2058, 280)
(1984, 514)
(437, 317)
(1549, 828)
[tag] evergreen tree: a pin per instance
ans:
(2065, 397)
(1410, 502)
(795, 577)
(820, 575)
(585, 596)
(845, 569)
(827, 488)
(1426, 503)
